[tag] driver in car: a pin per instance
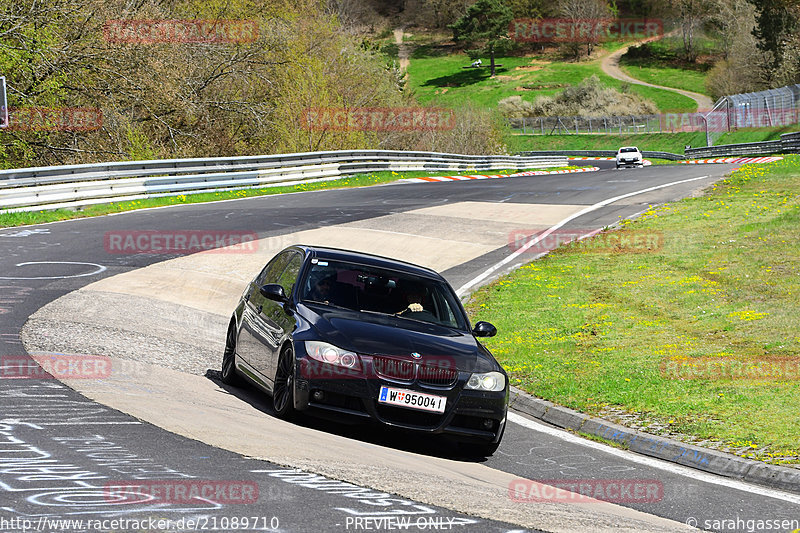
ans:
(415, 296)
(321, 292)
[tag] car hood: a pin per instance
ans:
(376, 334)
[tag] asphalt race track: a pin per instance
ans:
(161, 416)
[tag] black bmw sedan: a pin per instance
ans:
(364, 336)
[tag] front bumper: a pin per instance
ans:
(469, 414)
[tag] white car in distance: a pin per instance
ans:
(629, 156)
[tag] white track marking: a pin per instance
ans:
(654, 463)
(494, 268)
(98, 270)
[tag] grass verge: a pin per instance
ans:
(660, 62)
(696, 338)
(443, 80)
(359, 180)
(667, 142)
(687, 80)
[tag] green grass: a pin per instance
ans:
(359, 180)
(667, 142)
(749, 135)
(594, 329)
(660, 62)
(442, 80)
(688, 80)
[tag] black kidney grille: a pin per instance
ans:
(435, 375)
(394, 368)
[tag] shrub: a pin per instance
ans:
(587, 99)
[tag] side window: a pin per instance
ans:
(274, 268)
(289, 275)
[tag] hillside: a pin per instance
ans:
(194, 78)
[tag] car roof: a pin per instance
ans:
(339, 254)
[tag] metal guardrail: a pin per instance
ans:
(70, 186)
(578, 125)
(791, 141)
(788, 143)
(602, 153)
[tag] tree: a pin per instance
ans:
(486, 21)
(530, 9)
(740, 69)
(692, 14)
(777, 22)
(580, 12)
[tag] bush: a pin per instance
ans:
(587, 99)
(475, 131)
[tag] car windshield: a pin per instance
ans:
(376, 290)
(627, 150)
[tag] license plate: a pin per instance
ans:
(412, 399)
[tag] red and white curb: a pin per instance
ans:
(544, 172)
(741, 160)
(645, 163)
(493, 176)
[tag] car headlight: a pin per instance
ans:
(490, 381)
(333, 355)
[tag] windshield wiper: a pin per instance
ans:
(404, 317)
(377, 312)
(329, 304)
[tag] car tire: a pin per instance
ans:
(283, 389)
(229, 375)
(617, 166)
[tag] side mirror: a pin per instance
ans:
(484, 329)
(273, 291)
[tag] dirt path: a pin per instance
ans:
(610, 65)
(403, 50)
